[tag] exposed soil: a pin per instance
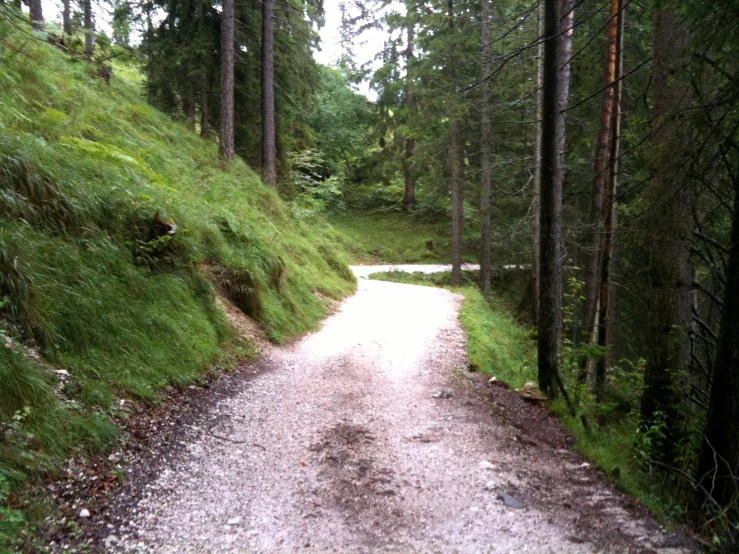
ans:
(371, 435)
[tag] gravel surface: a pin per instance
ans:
(371, 435)
(364, 271)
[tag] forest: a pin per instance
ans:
(581, 156)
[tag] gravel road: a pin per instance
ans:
(370, 435)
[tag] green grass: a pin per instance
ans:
(497, 344)
(393, 237)
(91, 180)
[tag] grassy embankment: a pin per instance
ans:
(94, 279)
(393, 237)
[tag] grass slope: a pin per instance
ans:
(393, 237)
(92, 280)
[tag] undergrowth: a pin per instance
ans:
(117, 228)
(393, 237)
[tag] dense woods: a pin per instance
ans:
(586, 154)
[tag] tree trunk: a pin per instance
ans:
(456, 155)
(557, 32)
(609, 225)
(409, 195)
(204, 80)
(269, 151)
(66, 17)
(89, 29)
(204, 102)
(600, 158)
(36, 12)
(567, 23)
(536, 204)
(226, 144)
(486, 186)
(669, 233)
(188, 103)
(719, 461)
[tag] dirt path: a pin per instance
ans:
(370, 435)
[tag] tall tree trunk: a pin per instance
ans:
(36, 12)
(188, 103)
(269, 149)
(609, 224)
(89, 29)
(204, 102)
(567, 24)
(600, 158)
(204, 80)
(719, 461)
(669, 233)
(409, 176)
(486, 186)
(226, 144)
(456, 155)
(536, 204)
(557, 32)
(66, 17)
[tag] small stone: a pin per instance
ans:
(490, 485)
(84, 513)
(61, 373)
(509, 501)
(474, 509)
(110, 540)
(486, 465)
(234, 521)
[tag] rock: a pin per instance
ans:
(530, 391)
(492, 380)
(442, 394)
(489, 486)
(84, 513)
(110, 540)
(234, 521)
(509, 501)
(486, 465)
(61, 373)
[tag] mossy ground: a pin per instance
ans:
(95, 280)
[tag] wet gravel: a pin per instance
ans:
(370, 435)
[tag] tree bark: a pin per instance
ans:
(36, 12)
(600, 159)
(456, 155)
(536, 204)
(558, 33)
(269, 151)
(719, 461)
(66, 17)
(204, 80)
(409, 176)
(188, 103)
(486, 185)
(609, 224)
(89, 29)
(226, 144)
(669, 233)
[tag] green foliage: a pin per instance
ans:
(497, 344)
(117, 227)
(393, 237)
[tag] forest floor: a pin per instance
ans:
(372, 435)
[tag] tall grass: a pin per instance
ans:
(93, 274)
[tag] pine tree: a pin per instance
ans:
(226, 146)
